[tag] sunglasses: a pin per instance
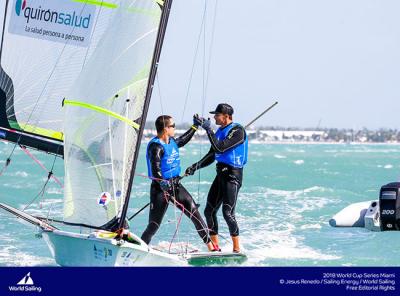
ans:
(172, 125)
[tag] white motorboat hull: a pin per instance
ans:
(362, 214)
(72, 249)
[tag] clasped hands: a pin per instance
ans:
(201, 121)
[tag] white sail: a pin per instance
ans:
(45, 46)
(101, 109)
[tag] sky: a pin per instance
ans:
(329, 63)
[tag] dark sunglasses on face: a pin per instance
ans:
(172, 125)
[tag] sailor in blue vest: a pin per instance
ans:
(229, 148)
(163, 165)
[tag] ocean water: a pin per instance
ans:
(290, 192)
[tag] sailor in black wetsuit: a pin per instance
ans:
(229, 148)
(163, 165)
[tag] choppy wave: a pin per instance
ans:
(273, 232)
(279, 156)
(283, 209)
(55, 190)
(363, 150)
(295, 150)
(12, 256)
(22, 174)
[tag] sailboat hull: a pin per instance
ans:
(71, 249)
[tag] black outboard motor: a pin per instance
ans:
(389, 206)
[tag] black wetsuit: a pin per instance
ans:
(177, 195)
(225, 187)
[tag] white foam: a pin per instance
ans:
(267, 235)
(256, 153)
(295, 150)
(197, 183)
(273, 244)
(311, 226)
(20, 174)
(279, 156)
(299, 162)
(19, 186)
(54, 190)
(290, 193)
(388, 166)
(11, 256)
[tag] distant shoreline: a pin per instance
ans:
(256, 142)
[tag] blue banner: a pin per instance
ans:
(221, 281)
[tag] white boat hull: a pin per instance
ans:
(362, 214)
(71, 249)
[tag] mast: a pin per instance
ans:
(156, 56)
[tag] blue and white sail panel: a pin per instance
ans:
(102, 111)
(44, 48)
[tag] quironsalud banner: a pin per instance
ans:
(59, 21)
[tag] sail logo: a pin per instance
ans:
(20, 5)
(68, 22)
(74, 19)
(25, 285)
(104, 199)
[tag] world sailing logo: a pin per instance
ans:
(74, 19)
(26, 280)
(25, 285)
(20, 5)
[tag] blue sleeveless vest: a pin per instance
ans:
(235, 157)
(170, 162)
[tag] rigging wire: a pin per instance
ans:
(43, 189)
(194, 63)
(40, 164)
(206, 75)
(159, 93)
(210, 49)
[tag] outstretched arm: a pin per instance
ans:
(186, 137)
(235, 137)
(205, 161)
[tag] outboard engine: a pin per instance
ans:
(389, 206)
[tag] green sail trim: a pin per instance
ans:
(114, 6)
(103, 111)
(37, 130)
(97, 3)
